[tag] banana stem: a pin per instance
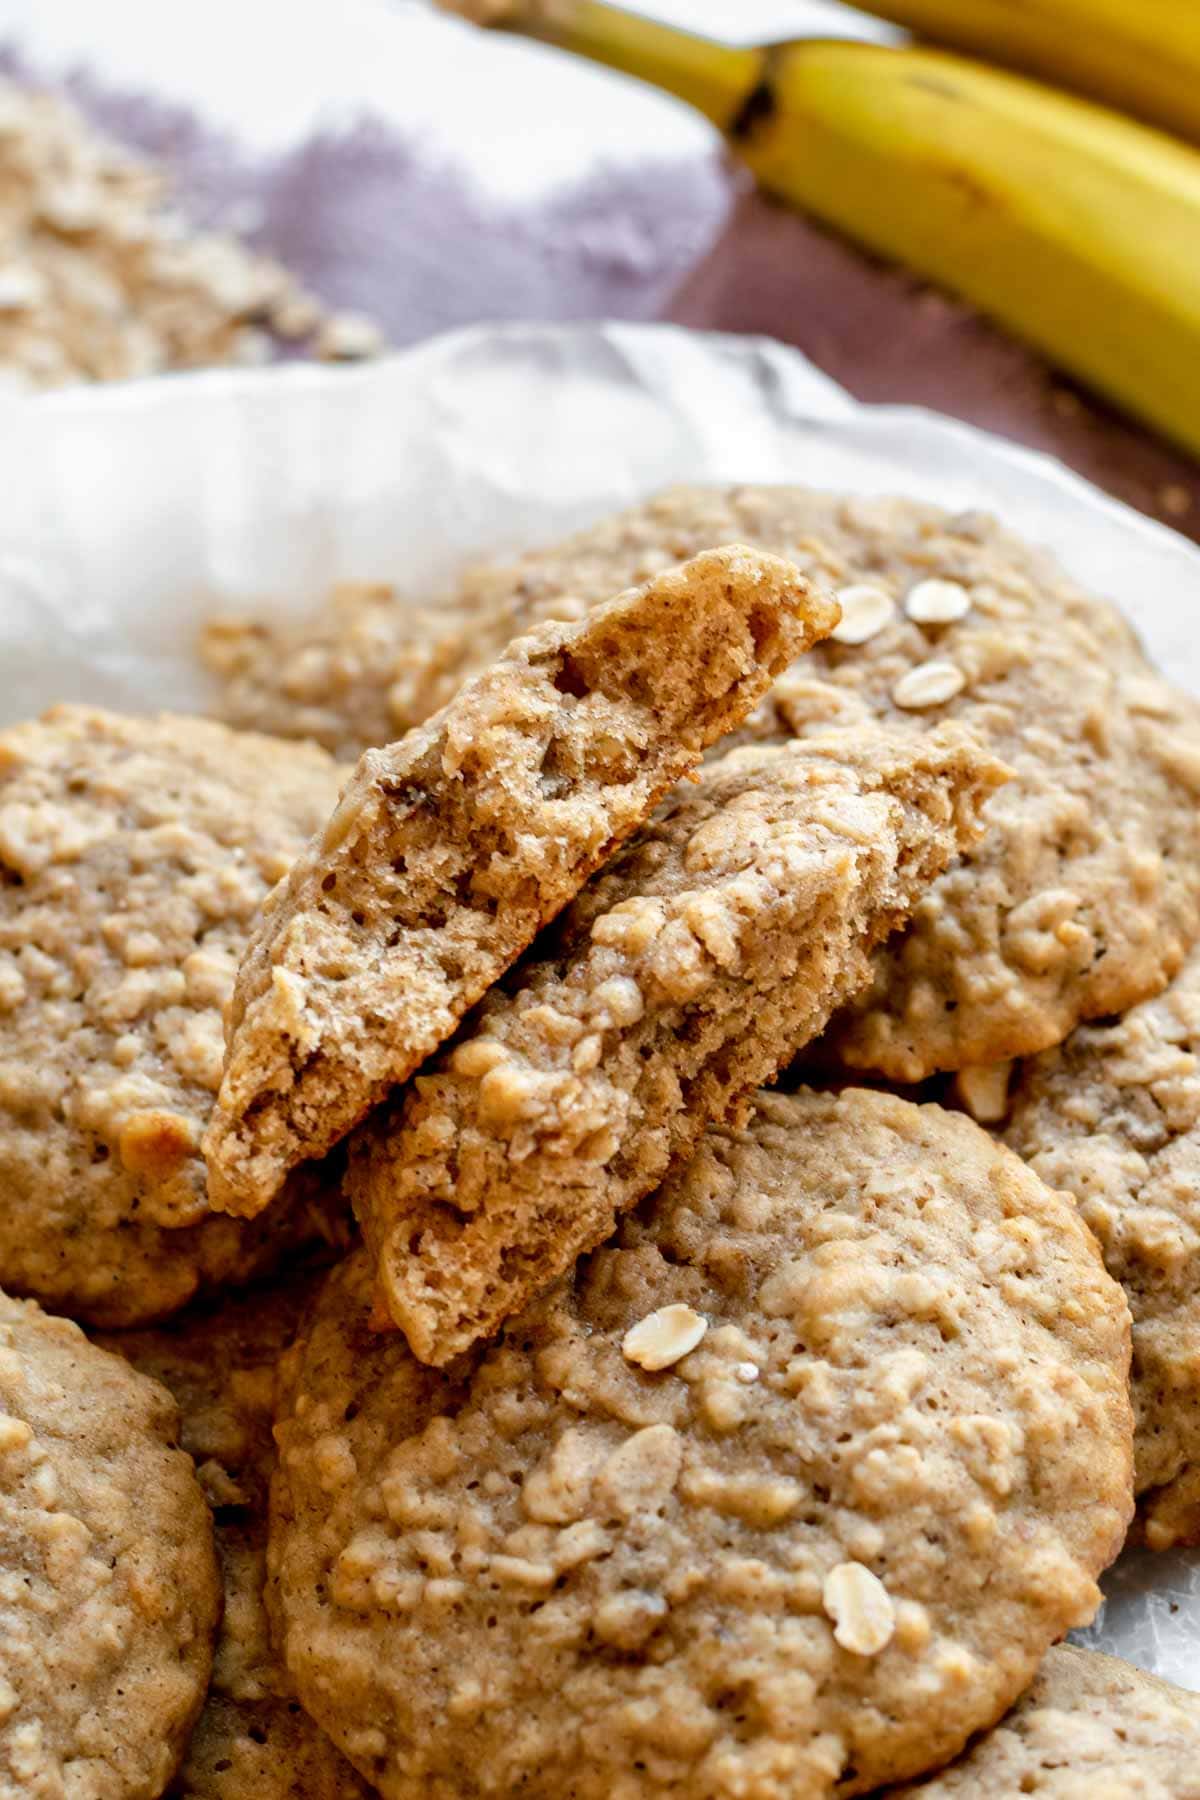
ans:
(716, 78)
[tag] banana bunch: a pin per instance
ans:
(1077, 228)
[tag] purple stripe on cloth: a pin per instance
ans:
(372, 222)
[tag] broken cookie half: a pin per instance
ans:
(689, 971)
(452, 848)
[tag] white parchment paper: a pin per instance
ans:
(128, 513)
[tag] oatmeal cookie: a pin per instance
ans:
(1090, 1728)
(252, 1741)
(687, 972)
(109, 1591)
(1113, 1115)
(785, 1491)
(134, 856)
(1083, 897)
(364, 669)
(101, 280)
(450, 849)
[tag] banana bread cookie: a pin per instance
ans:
(252, 1741)
(450, 849)
(1090, 1728)
(687, 972)
(109, 1592)
(364, 669)
(134, 856)
(1083, 897)
(785, 1491)
(1113, 1115)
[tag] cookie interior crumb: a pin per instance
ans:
(451, 849)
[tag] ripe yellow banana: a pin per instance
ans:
(1075, 227)
(1078, 229)
(1140, 55)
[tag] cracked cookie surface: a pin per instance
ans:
(252, 1740)
(1113, 1116)
(807, 1531)
(1090, 1728)
(688, 972)
(1083, 898)
(109, 1592)
(134, 856)
(451, 849)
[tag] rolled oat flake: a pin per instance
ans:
(928, 684)
(937, 602)
(865, 611)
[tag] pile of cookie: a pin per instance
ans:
(102, 278)
(591, 1253)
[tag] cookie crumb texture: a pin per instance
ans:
(1090, 1728)
(252, 1741)
(134, 856)
(100, 281)
(109, 1593)
(449, 850)
(550, 1572)
(1113, 1115)
(1084, 896)
(687, 972)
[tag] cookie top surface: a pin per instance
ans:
(817, 1551)
(450, 849)
(689, 970)
(365, 668)
(1071, 907)
(1113, 1116)
(109, 1590)
(134, 856)
(252, 1738)
(1089, 1728)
